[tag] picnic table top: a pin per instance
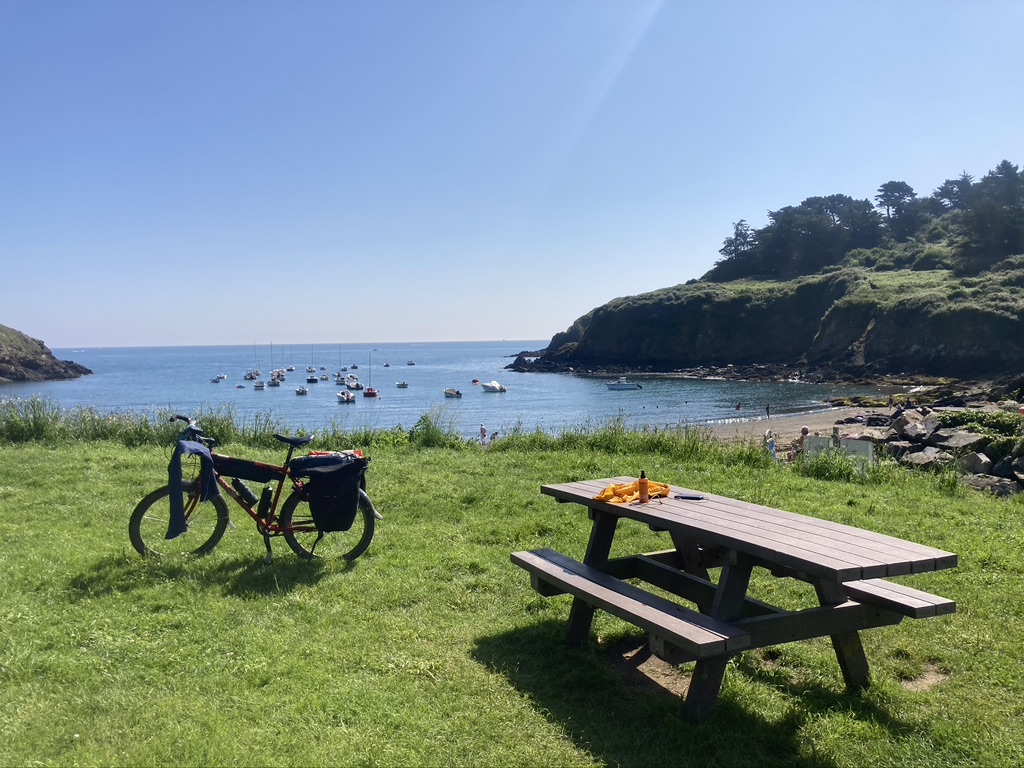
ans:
(809, 545)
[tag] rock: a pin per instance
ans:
(955, 440)
(874, 435)
(897, 448)
(975, 464)
(915, 431)
(1003, 467)
(998, 485)
(929, 458)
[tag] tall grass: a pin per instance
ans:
(40, 420)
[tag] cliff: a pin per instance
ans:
(850, 323)
(23, 358)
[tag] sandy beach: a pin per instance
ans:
(787, 428)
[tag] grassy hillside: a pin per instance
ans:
(15, 342)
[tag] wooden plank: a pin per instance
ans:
(792, 626)
(820, 547)
(897, 597)
(699, 635)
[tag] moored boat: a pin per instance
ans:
(493, 386)
(450, 392)
(300, 390)
(346, 397)
(402, 385)
(370, 392)
(623, 383)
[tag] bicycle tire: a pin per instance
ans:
(346, 545)
(147, 526)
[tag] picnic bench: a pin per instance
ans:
(847, 566)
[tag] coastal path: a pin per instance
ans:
(848, 568)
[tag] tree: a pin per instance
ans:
(894, 196)
(994, 218)
(953, 193)
(742, 240)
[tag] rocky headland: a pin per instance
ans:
(23, 358)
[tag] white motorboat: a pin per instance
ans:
(352, 381)
(493, 386)
(623, 383)
(346, 397)
(452, 393)
(259, 385)
(301, 391)
(401, 385)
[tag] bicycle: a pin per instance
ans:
(303, 525)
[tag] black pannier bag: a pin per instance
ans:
(330, 485)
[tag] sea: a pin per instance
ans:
(153, 380)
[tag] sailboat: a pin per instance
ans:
(369, 391)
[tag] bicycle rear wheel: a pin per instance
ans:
(147, 527)
(346, 545)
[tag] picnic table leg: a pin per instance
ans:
(848, 647)
(706, 681)
(581, 615)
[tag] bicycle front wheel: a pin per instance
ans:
(301, 534)
(147, 527)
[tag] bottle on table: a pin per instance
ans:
(643, 487)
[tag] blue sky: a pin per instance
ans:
(204, 172)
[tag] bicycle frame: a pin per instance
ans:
(267, 525)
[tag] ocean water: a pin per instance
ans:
(146, 379)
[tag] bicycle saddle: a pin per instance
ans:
(295, 442)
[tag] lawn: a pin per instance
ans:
(433, 650)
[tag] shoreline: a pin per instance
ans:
(785, 427)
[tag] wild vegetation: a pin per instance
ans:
(966, 226)
(433, 649)
(838, 288)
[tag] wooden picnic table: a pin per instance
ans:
(847, 567)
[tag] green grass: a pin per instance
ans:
(433, 650)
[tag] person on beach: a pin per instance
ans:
(483, 435)
(768, 410)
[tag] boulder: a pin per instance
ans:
(897, 448)
(874, 435)
(975, 464)
(929, 458)
(1000, 486)
(952, 439)
(915, 432)
(1003, 467)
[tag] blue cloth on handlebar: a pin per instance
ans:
(177, 524)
